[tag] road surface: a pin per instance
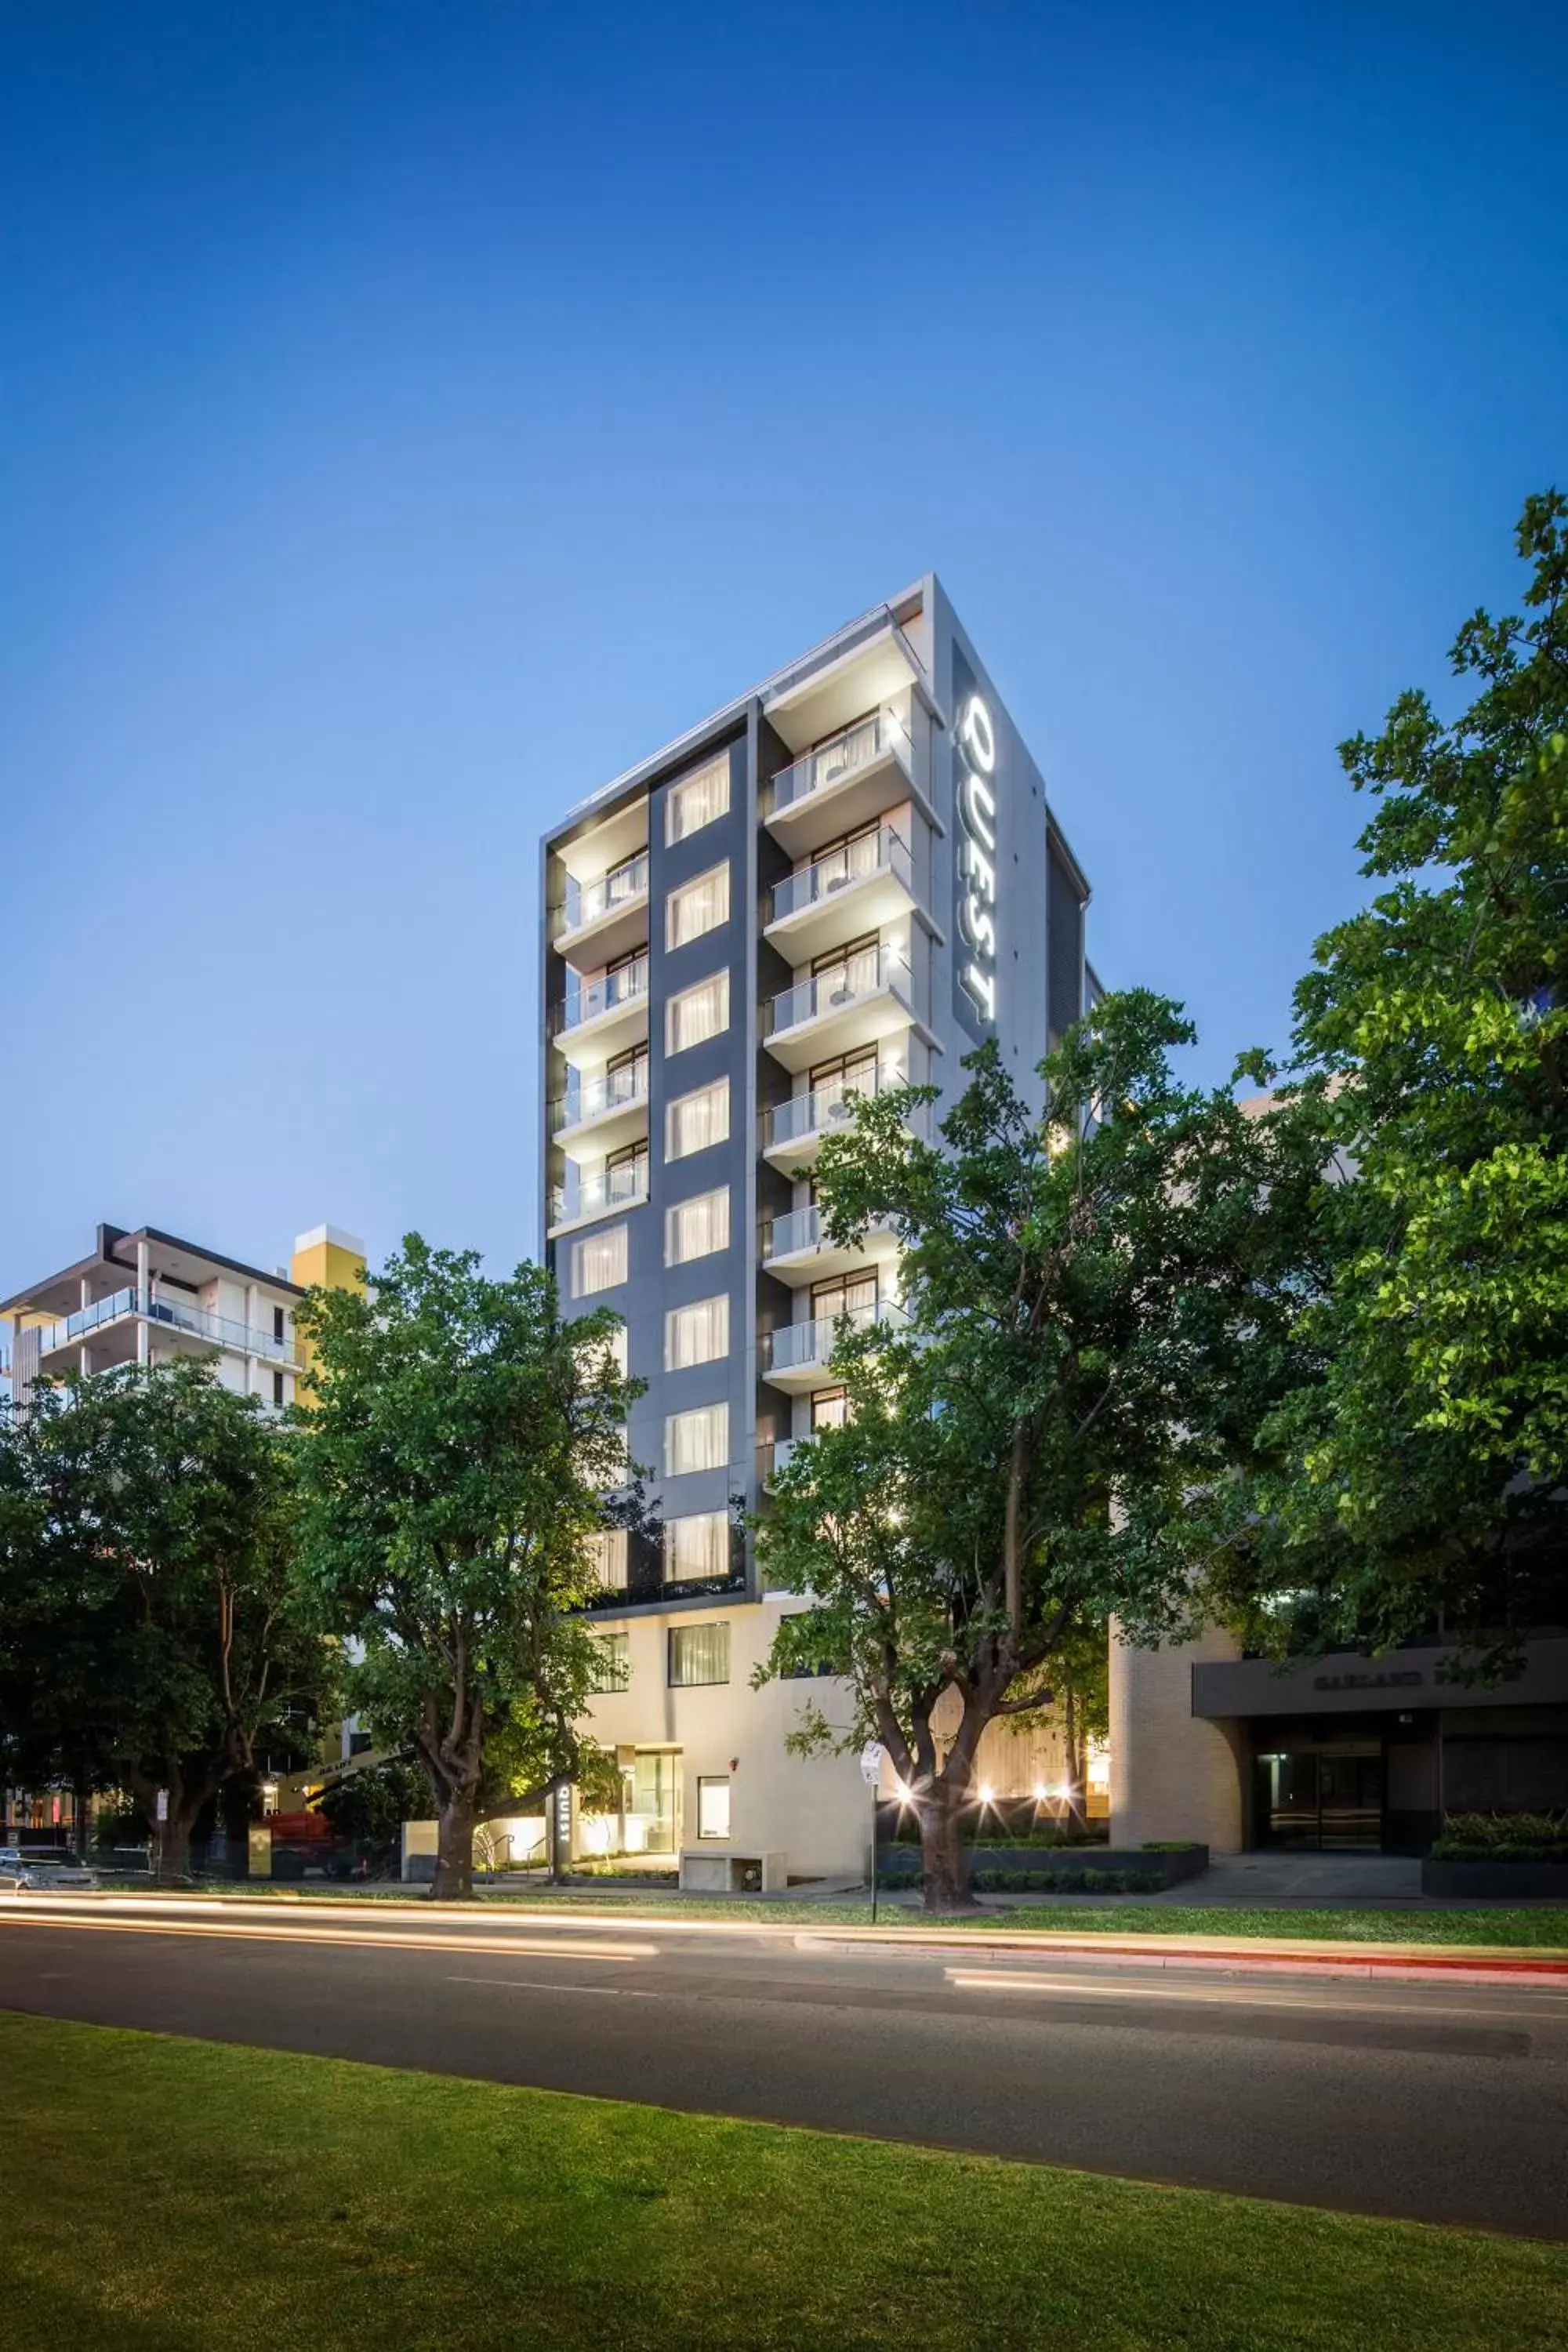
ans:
(1446, 2102)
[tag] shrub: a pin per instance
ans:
(1045, 1882)
(1502, 1837)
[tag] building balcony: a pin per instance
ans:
(862, 887)
(792, 1131)
(602, 1017)
(798, 1356)
(845, 782)
(115, 1318)
(609, 914)
(867, 997)
(583, 1198)
(795, 1252)
(612, 1107)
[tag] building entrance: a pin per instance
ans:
(1321, 1801)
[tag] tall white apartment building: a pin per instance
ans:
(848, 878)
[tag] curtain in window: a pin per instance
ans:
(599, 1262)
(693, 1121)
(698, 907)
(699, 1440)
(698, 1334)
(697, 799)
(696, 1012)
(696, 1228)
(698, 1546)
(698, 1653)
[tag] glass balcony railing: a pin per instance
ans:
(826, 1106)
(796, 1347)
(866, 973)
(864, 745)
(222, 1331)
(592, 1098)
(590, 902)
(587, 1001)
(882, 852)
(620, 1187)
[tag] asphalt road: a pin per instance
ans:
(1444, 2102)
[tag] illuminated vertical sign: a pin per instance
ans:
(974, 793)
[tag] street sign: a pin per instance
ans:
(162, 1804)
(872, 1762)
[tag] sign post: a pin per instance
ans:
(871, 1773)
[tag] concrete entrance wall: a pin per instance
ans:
(1173, 1774)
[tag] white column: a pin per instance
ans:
(84, 1299)
(252, 1312)
(143, 1300)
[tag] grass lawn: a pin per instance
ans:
(172, 2196)
(1539, 1926)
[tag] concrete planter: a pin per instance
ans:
(1497, 1882)
(896, 1862)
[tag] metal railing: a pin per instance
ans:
(222, 1330)
(883, 852)
(866, 973)
(621, 1187)
(826, 1106)
(864, 745)
(795, 1346)
(585, 1003)
(590, 902)
(590, 1098)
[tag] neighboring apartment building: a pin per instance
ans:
(147, 1297)
(848, 878)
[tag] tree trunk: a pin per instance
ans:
(173, 1843)
(454, 1880)
(944, 1856)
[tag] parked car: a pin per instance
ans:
(24, 1868)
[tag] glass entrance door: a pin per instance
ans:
(658, 1792)
(1321, 1801)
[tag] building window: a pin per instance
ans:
(699, 1440)
(609, 1558)
(697, 799)
(276, 1388)
(697, 1227)
(697, 906)
(699, 1656)
(698, 1334)
(713, 1806)
(598, 1261)
(613, 1667)
(829, 1408)
(697, 1548)
(697, 1014)
(278, 1323)
(693, 1121)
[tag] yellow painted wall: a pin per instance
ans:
(325, 1265)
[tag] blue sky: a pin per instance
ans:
(410, 415)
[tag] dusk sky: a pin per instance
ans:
(410, 415)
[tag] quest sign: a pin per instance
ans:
(974, 795)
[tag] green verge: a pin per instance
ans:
(1535, 1927)
(168, 2195)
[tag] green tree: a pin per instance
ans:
(1419, 1474)
(1099, 1315)
(148, 1636)
(454, 1445)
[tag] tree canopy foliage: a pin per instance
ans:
(1098, 1313)
(1418, 1478)
(149, 1635)
(453, 1446)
